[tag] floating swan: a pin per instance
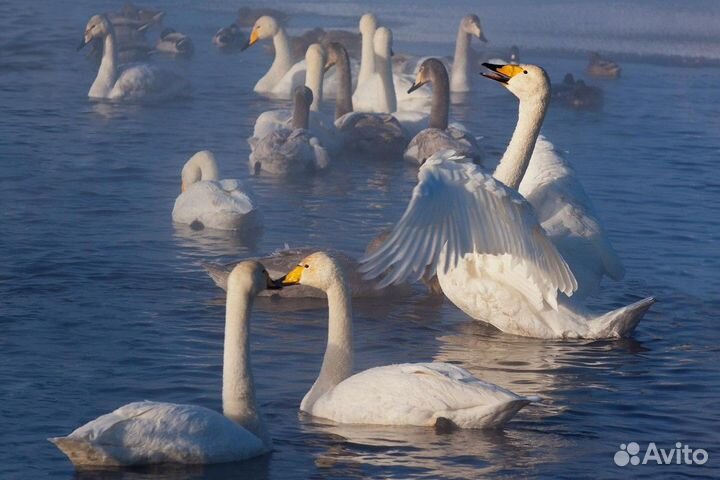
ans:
(144, 82)
(361, 132)
(420, 394)
(493, 258)
(287, 151)
(143, 433)
(602, 67)
(207, 202)
(438, 136)
(174, 43)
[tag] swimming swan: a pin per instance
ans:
(288, 151)
(143, 433)
(420, 394)
(493, 258)
(438, 136)
(207, 202)
(146, 83)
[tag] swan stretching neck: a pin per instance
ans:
(367, 27)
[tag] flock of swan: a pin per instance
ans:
(519, 247)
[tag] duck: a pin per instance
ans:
(578, 95)
(207, 202)
(174, 43)
(229, 39)
(374, 134)
(149, 432)
(602, 67)
(432, 394)
(510, 249)
(439, 136)
(139, 83)
(290, 150)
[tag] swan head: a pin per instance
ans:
(428, 71)
(525, 81)
(319, 270)
(97, 27)
(201, 166)
(368, 24)
(251, 277)
(382, 42)
(315, 57)
(263, 28)
(471, 24)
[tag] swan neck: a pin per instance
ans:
(238, 390)
(367, 58)
(440, 107)
(283, 58)
(301, 113)
(208, 169)
(516, 159)
(460, 66)
(338, 360)
(314, 81)
(388, 99)
(107, 73)
(343, 99)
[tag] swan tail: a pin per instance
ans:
(82, 452)
(485, 416)
(218, 273)
(620, 322)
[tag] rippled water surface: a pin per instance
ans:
(103, 301)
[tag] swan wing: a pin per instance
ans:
(222, 205)
(148, 83)
(433, 140)
(142, 433)
(456, 209)
(566, 213)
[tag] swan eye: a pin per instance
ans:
(306, 265)
(525, 72)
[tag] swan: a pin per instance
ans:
(493, 258)
(288, 151)
(361, 132)
(143, 82)
(420, 394)
(174, 43)
(206, 202)
(438, 136)
(602, 67)
(145, 432)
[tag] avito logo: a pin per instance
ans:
(680, 455)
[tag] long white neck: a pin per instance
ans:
(314, 81)
(107, 73)
(281, 64)
(515, 161)
(387, 100)
(459, 77)
(338, 360)
(367, 59)
(238, 392)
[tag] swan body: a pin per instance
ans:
(174, 43)
(439, 136)
(492, 257)
(207, 202)
(289, 151)
(143, 433)
(420, 394)
(139, 83)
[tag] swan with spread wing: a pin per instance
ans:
(494, 258)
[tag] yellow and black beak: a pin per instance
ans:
(502, 73)
(419, 82)
(273, 284)
(254, 37)
(292, 278)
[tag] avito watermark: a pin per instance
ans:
(680, 455)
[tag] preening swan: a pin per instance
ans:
(420, 394)
(207, 202)
(293, 150)
(139, 83)
(361, 132)
(143, 433)
(438, 136)
(493, 258)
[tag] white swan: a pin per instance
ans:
(207, 202)
(493, 258)
(289, 151)
(421, 394)
(143, 433)
(375, 134)
(146, 83)
(439, 136)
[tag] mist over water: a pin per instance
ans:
(103, 301)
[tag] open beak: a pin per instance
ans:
(253, 38)
(501, 73)
(292, 278)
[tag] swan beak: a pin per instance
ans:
(482, 37)
(419, 81)
(501, 73)
(273, 284)
(292, 278)
(253, 38)
(83, 41)
(327, 67)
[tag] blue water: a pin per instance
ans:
(103, 301)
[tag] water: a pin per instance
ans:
(104, 301)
